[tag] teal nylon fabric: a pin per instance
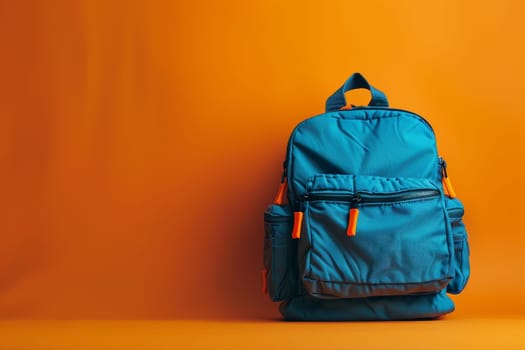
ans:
(400, 247)
(403, 307)
(363, 141)
(410, 245)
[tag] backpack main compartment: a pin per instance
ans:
(375, 235)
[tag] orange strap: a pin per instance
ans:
(297, 224)
(352, 222)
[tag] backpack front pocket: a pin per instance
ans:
(280, 263)
(373, 236)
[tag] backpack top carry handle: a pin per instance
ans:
(356, 81)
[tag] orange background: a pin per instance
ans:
(140, 141)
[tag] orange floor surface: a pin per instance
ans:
(448, 333)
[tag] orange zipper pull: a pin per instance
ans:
(279, 198)
(281, 193)
(353, 215)
(352, 222)
(446, 180)
(448, 185)
(297, 224)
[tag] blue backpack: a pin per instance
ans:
(365, 225)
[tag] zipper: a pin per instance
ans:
(369, 198)
(397, 110)
(356, 201)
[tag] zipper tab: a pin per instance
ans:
(279, 197)
(352, 222)
(353, 215)
(446, 180)
(298, 218)
(281, 192)
(448, 185)
(297, 224)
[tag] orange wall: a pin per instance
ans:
(140, 141)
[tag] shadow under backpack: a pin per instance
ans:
(365, 225)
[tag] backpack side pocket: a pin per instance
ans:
(461, 248)
(280, 261)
